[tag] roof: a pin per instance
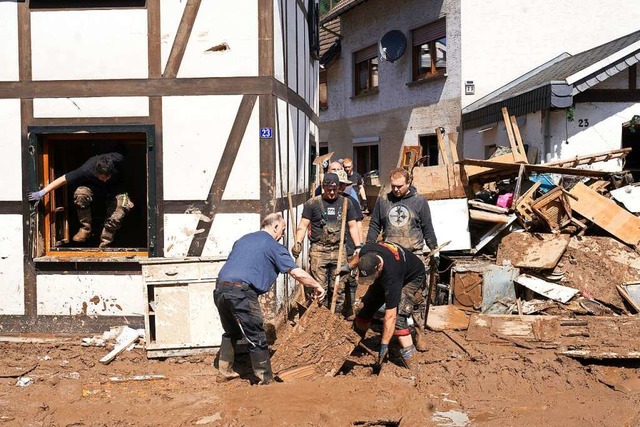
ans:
(555, 83)
(329, 33)
(340, 8)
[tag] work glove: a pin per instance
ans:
(35, 195)
(347, 270)
(297, 248)
(382, 355)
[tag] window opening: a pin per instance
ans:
(365, 158)
(430, 50)
(430, 151)
(59, 154)
(366, 70)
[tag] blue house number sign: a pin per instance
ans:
(266, 133)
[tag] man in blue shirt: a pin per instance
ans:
(252, 267)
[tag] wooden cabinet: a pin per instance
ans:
(180, 316)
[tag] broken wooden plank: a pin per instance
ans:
(510, 169)
(600, 354)
(152, 377)
(439, 182)
(605, 213)
(517, 156)
(591, 158)
(484, 216)
(550, 290)
(487, 207)
(447, 317)
(297, 373)
(488, 327)
(532, 250)
(457, 340)
(516, 134)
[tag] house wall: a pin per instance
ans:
(527, 35)
(266, 79)
(400, 112)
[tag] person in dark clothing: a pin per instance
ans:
(99, 176)
(323, 215)
(252, 267)
(403, 216)
(357, 183)
(395, 277)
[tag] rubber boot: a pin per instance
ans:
(408, 353)
(261, 364)
(420, 340)
(226, 355)
(84, 216)
(106, 238)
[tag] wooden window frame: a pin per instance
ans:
(367, 57)
(428, 35)
(39, 172)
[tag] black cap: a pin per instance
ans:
(331, 179)
(367, 266)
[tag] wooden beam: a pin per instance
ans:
(182, 38)
(522, 155)
(499, 168)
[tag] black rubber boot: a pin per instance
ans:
(261, 364)
(226, 355)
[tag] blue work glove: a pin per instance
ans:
(35, 195)
(382, 355)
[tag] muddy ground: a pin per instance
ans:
(506, 385)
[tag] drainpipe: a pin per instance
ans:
(546, 129)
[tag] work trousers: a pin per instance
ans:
(411, 299)
(240, 314)
(324, 266)
(118, 207)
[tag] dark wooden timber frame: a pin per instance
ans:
(264, 89)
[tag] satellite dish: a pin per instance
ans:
(392, 45)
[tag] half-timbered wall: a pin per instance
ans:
(225, 96)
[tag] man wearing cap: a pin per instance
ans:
(395, 277)
(252, 267)
(323, 215)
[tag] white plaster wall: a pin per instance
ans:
(292, 43)
(10, 158)
(234, 23)
(528, 34)
(178, 233)
(279, 39)
(9, 38)
(61, 294)
(11, 265)
(226, 229)
(604, 132)
(133, 106)
(89, 44)
(195, 132)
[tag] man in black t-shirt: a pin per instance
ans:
(395, 277)
(357, 183)
(323, 216)
(100, 176)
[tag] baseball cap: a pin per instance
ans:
(330, 180)
(342, 176)
(367, 266)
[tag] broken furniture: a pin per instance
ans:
(180, 315)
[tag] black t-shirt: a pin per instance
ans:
(87, 175)
(400, 267)
(356, 178)
(348, 241)
(326, 218)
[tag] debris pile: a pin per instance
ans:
(553, 241)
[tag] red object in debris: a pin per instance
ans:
(505, 200)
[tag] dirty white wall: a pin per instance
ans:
(132, 106)
(107, 44)
(11, 266)
(528, 34)
(215, 24)
(91, 295)
(9, 37)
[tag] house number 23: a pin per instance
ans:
(583, 123)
